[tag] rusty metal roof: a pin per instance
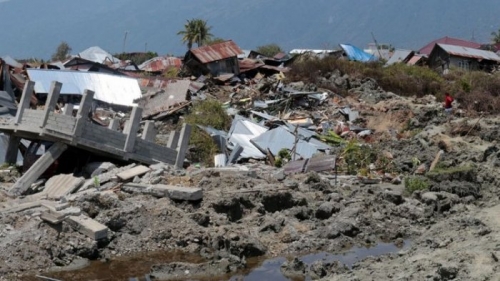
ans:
(218, 51)
(427, 49)
(160, 64)
(469, 52)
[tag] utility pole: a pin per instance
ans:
(124, 41)
(376, 45)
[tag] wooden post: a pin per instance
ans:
(149, 132)
(50, 103)
(68, 109)
(38, 168)
(12, 149)
(131, 131)
(83, 113)
(173, 139)
(25, 101)
(113, 124)
(182, 146)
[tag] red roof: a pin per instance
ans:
(218, 51)
(426, 50)
(160, 64)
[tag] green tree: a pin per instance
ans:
(215, 41)
(269, 50)
(195, 31)
(495, 36)
(62, 52)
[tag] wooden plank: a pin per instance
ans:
(131, 173)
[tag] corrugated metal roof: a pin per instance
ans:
(469, 52)
(96, 54)
(279, 138)
(109, 88)
(241, 132)
(217, 51)
(399, 56)
(427, 49)
(415, 59)
(159, 64)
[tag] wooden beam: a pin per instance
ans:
(132, 129)
(50, 103)
(25, 101)
(173, 139)
(149, 132)
(12, 149)
(37, 169)
(183, 145)
(82, 115)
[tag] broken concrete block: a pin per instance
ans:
(106, 177)
(133, 172)
(97, 168)
(62, 185)
(52, 217)
(55, 206)
(88, 227)
(161, 190)
(180, 192)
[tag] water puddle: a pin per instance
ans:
(270, 269)
(258, 268)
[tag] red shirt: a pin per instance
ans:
(447, 101)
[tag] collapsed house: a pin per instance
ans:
(445, 56)
(216, 59)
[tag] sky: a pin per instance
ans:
(34, 28)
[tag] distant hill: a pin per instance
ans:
(34, 28)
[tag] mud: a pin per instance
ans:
(452, 224)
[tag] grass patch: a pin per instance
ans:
(451, 170)
(414, 183)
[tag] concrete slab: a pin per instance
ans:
(180, 192)
(88, 227)
(170, 191)
(131, 173)
(61, 185)
(53, 206)
(105, 177)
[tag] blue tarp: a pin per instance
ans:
(355, 53)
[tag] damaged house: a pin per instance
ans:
(215, 59)
(444, 56)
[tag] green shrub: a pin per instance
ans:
(414, 183)
(206, 113)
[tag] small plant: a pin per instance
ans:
(97, 182)
(414, 183)
(282, 157)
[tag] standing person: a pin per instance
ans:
(448, 100)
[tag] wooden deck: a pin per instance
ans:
(79, 131)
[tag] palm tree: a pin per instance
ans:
(195, 31)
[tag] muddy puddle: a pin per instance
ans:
(258, 268)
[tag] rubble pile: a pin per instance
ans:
(301, 169)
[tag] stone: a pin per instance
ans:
(393, 196)
(325, 210)
(429, 198)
